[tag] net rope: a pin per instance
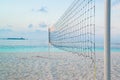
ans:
(75, 32)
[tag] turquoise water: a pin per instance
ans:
(37, 46)
(25, 46)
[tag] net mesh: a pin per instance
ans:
(75, 32)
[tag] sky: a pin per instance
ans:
(31, 18)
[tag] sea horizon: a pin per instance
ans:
(36, 46)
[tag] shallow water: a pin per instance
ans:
(18, 46)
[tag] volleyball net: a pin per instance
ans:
(75, 32)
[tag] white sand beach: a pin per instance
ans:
(51, 66)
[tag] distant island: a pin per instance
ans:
(13, 38)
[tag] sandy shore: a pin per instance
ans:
(53, 66)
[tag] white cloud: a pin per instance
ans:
(43, 9)
(116, 5)
(43, 25)
(30, 25)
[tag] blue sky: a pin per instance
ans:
(31, 18)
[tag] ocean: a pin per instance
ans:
(37, 46)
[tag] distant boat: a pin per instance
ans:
(15, 39)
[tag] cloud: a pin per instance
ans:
(43, 25)
(6, 27)
(30, 25)
(116, 5)
(6, 33)
(115, 2)
(32, 10)
(9, 26)
(43, 9)
(5, 30)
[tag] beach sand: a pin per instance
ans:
(52, 66)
